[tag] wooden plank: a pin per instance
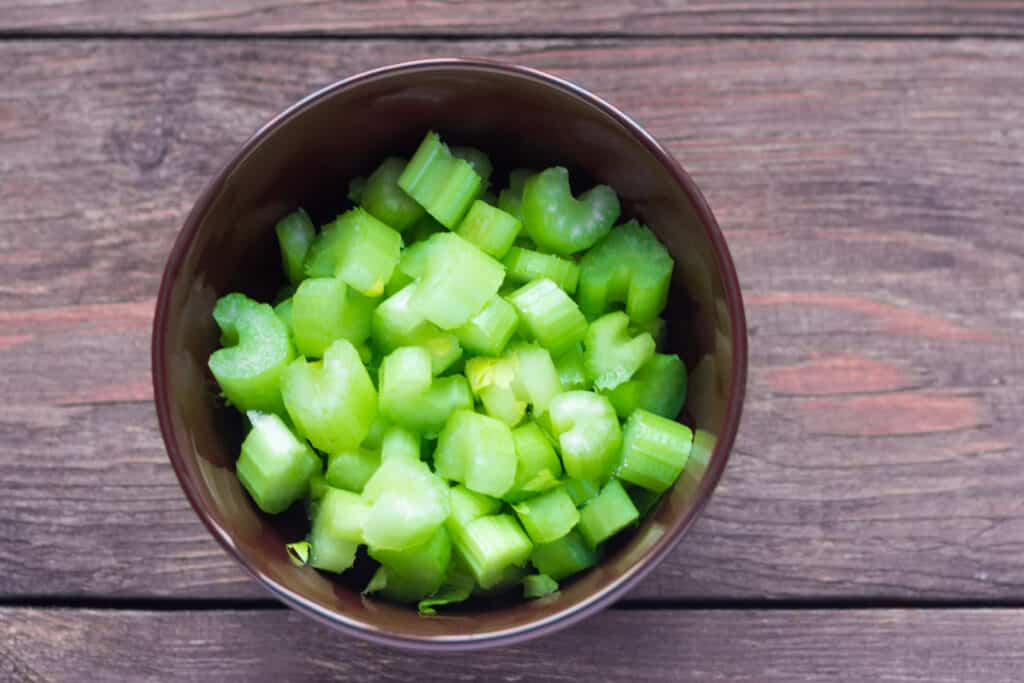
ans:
(930, 646)
(866, 189)
(566, 17)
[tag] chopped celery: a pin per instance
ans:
(511, 198)
(608, 513)
(422, 229)
(298, 553)
(491, 229)
(491, 379)
(400, 442)
(654, 450)
(365, 251)
(478, 451)
(561, 224)
(257, 351)
(659, 386)
(332, 402)
(588, 433)
(490, 545)
(324, 310)
(396, 322)
(478, 161)
(283, 311)
(538, 585)
(378, 428)
(442, 184)
(457, 586)
(549, 316)
(611, 356)
(337, 530)
(629, 265)
(459, 279)
(527, 265)
(417, 572)
(385, 200)
(537, 465)
(581, 490)
(274, 466)
(408, 503)
(547, 516)
(509, 577)
(295, 232)
(468, 505)
(536, 378)
(489, 331)
(562, 558)
(410, 397)
(350, 469)
(571, 372)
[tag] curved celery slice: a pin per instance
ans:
(538, 585)
(295, 232)
(332, 402)
(629, 265)
(397, 322)
(654, 451)
(488, 332)
(478, 161)
(283, 311)
(527, 265)
(537, 465)
(457, 586)
(385, 200)
(571, 372)
(659, 387)
(365, 251)
(606, 514)
(400, 442)
(562, 558)
(258, 351)
(581, 490)
(490, 229)
(536, 379)
(458, 280)
(324, 310)
(510, 200)
(337, 530)
(274, 466)
(549, 315)
(610, 355)
(352, 468)
(547, 516)
(491, 545)
(408, 503)
(442, 184)
(478, 451)
(411, 397)
(588, 433)
(492, 380)
(414, 573)
(561, 224)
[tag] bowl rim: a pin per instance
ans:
(614, 589)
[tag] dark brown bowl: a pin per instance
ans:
(304, 157)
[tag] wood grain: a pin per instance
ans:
(868, 192)
(437, 17)
(764, 646)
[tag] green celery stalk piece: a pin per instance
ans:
(537, 465)
(458, 281)
(510, 200)
(527, 265)
(571, 372)
(477, 451)
(442, 184)
(411, 397)
(538, 586)
(549, 315)
(415, 573)
(468, 505)
(561, 224)
(659, 387)
(491, 545)
(588, 433)
(458, 585)
(331, 402)
(492, 379)
(547, 516)
(283, 311)
(258, 349)
(568, 555)
(324, 310)
(274, 466)
(365, 251)
(581, 490)
(630, 265)
(400, 442)
(385, 200)
(408, 503)
(350, 469)
(610, 355)
(490, 229)
(337, 530)
(488, 332)
(295, 233)
(654, 451)
(397, 322)
(298, 553)
(606, 514)
(478, 161)
(536, 380)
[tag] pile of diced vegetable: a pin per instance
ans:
(468, 385)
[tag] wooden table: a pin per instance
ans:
(866, 161)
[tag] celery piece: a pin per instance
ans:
(537, 465)
(478, 161)
(490, 545)
(442, 184)
(332, 402)
(527, 265)
(330, 554)
(488, 332)
(581, 490)
(490, 229)
(659, 387)
(571, 371)
(547, 516)
(606, 514)
(610, 355)
(478, 451)
(588, 433)
(325, 310)
(366, 251)
(385, 200)
(549, 315)
(283, 311)
(378, 428)
(562, 558)
(350, 469)
(258, 351)
(492, 379)
(459, 279)
(561, 224)
(414, 259)
(509, 577)
(457, 586)
(536, 379)
(408, 503)
(468, 505)
(410, 397)
(654, 450)
(538, 585)
(298, 553)
(397, 322)
(400, 442)
(274, 466)
(337, 530)
(510, 200)
(417, 572)
(629, 265)
(422, 229)
(295, 232)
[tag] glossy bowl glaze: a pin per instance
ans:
(304, 157)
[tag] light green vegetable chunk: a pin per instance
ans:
(547, 516)
(568, 555)
(295, 232)
(397, 322)
(659, 387)
(410, 396)
(571, 372)
(324, 310)
(458, 585)
(654, 451)
(408, 503)
(492, 381)
(337, 530)
(478, 161)
(608, 513)
(561, 224)
(442, 184)
(332, 402)
(488, 332)
(385, 200)
(538, 585)
(274, 466)
(527, 265)
(610, 355)
(537, 465)
(536, 379)
(490, 229)
(588, 433)
(492, 544)
(365, 251)
(549, 315)
(400, 442)
(458, 280)
(257, 351)
(415, 573)
(351, 469)
(478, 451)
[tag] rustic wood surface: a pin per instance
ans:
(572, 17)
(925, 646)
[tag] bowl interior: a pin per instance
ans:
(306, 158)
